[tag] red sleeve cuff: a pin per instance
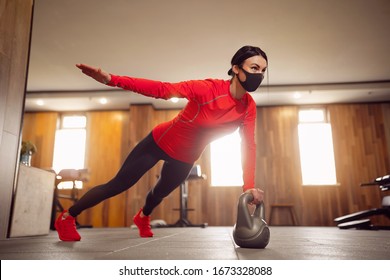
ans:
(114, 80)
(245, 188)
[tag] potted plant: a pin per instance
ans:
(28, 149)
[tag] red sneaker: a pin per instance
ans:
(143, 225)
(66, 228)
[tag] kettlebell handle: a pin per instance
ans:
(260, 209)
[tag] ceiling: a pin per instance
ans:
(319, 51)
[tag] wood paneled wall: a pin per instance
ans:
(15, 30)
(40, 129)
(361, 153)
(278, 169)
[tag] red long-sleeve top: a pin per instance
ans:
(211, 112)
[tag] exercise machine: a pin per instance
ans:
(360, 220)
(195, 174)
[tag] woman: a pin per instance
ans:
(215, 108)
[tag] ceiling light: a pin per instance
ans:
(103, 100)
(297, 95)
(40, 102)
(175, 99)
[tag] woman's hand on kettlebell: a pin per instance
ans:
(258, 195)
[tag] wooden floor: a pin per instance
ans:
(210, 243)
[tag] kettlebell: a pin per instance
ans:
(250, 230)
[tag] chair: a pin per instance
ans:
(67, 175)
(357, 220)
(289, 207)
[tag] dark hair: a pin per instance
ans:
(244, 53)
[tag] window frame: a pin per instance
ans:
(60, 126)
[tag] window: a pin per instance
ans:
(316, 148)
(69, 145)
(225, 153)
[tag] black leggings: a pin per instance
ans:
(142, 158)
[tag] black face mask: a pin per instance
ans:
(252, 81)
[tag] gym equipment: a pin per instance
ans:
(195, 174)
(358, 220)
(250, 230)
